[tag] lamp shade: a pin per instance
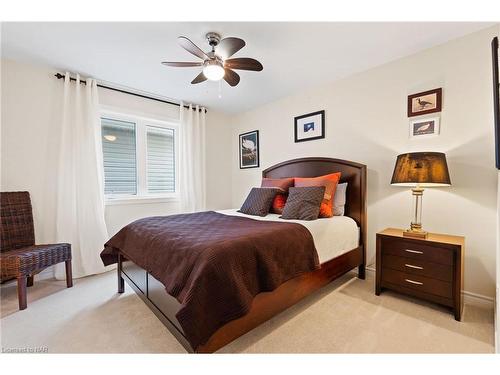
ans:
(421, 168)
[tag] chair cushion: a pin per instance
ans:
(27, 260)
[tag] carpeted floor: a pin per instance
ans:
(344, 317)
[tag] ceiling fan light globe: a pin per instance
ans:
(213, 72)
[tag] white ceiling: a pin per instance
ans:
(294, 55)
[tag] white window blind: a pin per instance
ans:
(160, 160)
(140, 157)
(119, 154)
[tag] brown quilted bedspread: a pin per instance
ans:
(214, 264)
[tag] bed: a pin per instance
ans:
(339, 241)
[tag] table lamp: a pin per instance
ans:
(419, 170)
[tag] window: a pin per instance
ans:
(140, 157)
(161, 160)
(119, 154)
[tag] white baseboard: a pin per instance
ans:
(478, 299)
(470, 298)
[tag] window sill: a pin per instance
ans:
(119, 201)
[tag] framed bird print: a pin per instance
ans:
(425, 102)
(423, 128)
(249, 150)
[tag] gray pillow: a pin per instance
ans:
(339, 200)
(303, 203)
(259, 201)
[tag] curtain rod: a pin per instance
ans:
(60, 76)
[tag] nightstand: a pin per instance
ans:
(430, 268)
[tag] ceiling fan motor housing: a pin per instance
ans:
(213, 39)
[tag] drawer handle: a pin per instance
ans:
(412, 266)
(414, 251)
(414, 282)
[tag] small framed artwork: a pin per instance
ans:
(496, 100)
(425, 127)
(310, 126)
(425, 102)
(249, 150)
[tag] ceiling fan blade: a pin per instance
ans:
(182, 64)
(229, 46)
(231, 77)
(191, 47)
(243, 63)
(199, 78)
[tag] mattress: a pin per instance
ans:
(332, 236)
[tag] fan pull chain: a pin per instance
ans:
(220, 89)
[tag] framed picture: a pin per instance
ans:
(496, 100)
(425, 127)
(425, 102)
(249, 150)
(310, 126)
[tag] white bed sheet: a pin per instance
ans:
(332, 236)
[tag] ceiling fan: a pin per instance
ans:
(217, 63)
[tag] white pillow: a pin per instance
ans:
(339, 200)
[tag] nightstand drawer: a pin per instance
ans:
(417, 251)
(418, 267)
(415, 282)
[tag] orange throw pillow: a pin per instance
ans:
(279, 203)
(280, 198)
(330, 182)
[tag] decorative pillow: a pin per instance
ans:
(303, 203)
(259, 201)
(280, 198)
(329, 181)
(339, 200)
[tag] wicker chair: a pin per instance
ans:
(20, 258)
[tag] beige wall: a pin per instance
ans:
(31, 99)
(366, 122)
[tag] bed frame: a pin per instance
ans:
(268, 304)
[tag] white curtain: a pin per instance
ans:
(80, 193)
(192, 158)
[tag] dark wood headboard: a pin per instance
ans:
(352, 173)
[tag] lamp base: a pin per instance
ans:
(415, 233)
